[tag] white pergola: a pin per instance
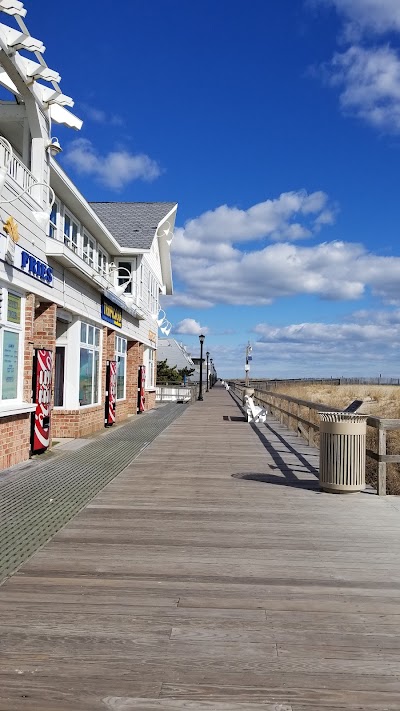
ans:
(23, 76)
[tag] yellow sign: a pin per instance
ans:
(152, 336)
(11, 228)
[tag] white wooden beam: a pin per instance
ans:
(20, 75)
(49, 96)
(28, 43)
(12, 7)
(34, 70)
(62, 116)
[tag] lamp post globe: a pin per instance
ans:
(201, 339)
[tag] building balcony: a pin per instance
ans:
(19, 178)
(69, 258)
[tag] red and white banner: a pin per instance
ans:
(111, 393)
(42, 384)
(141, 388)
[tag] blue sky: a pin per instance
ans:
(276, 127)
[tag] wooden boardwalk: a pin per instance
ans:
(211, 574)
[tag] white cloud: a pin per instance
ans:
(371, 16)
(114, 169)
(101, 116)
(362, 346)
(184, 299)
(370, 83)
(368, 76)
(190, 327)
(312, 349)
(291, 216)
(331, 333)
(328, 270)
(212, 271)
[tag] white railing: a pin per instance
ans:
(176, 393)
(17, 170)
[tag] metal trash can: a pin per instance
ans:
(342, 452)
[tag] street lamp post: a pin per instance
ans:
(208, 355)
(247, 367)
(212, 372)
(201, 339)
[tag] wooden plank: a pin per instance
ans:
(382, 464)
(130, 704)
(300, 691)
(27, 692)
(185, 585)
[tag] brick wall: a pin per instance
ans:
(15, 440)
(28, 347)
(78, 423)
(44, 326)
(150, 400)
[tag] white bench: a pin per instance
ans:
(254, 413)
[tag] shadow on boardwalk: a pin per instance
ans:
(295, 463)
(183, 586)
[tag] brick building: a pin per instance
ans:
(79, 282)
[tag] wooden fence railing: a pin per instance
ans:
(290, 411)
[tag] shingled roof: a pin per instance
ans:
(133, 224)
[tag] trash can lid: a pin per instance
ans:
(342, 417)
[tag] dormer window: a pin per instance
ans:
(123, 276)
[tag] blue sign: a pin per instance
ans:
(36, 268)
(249, 357)
(110, 312)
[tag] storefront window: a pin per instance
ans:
(120, 356)
(89, 369)
(10, 336)
(10, 365)
(13, 308)
(149, 362)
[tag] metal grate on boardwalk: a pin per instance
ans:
(35, 505)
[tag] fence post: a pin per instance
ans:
(381, 465)
(297, 420)
(310, 431)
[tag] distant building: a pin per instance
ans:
(175, 354)
(212, 373)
